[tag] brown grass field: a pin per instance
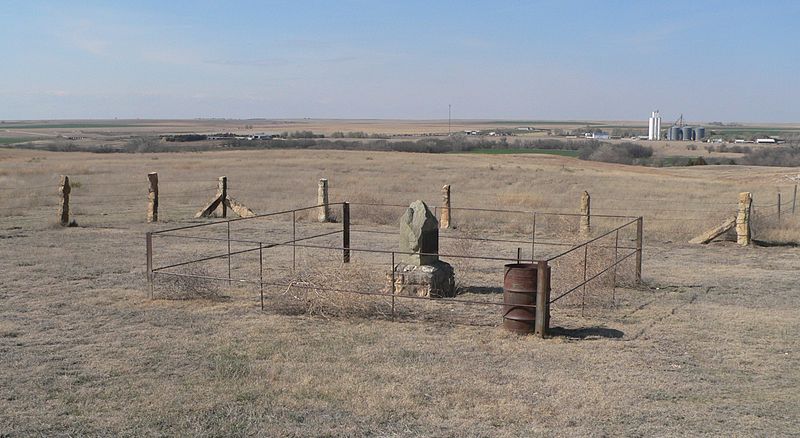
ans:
(707, 346)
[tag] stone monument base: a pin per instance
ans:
(433, 280)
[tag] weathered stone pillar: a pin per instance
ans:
(222, 194)
(323, 211)
(743, 218)
(63, 211)
(444, 220)
(586, 227)
(152, 197)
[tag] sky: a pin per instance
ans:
(730, 61)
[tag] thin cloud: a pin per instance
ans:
(268, 62)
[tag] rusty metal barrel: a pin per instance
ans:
(519, 297)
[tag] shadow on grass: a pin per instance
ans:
(768, 243)
(481, 290)
(586, 333)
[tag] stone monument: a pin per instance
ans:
(420, 272)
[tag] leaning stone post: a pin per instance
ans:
(323, 211)
(743, 218)
(444, 220)
(152, 197)
(586, 226)
(64, 189)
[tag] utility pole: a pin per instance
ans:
(449, 106)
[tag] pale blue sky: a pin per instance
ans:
(711, 60)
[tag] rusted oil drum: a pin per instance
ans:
(519, 297)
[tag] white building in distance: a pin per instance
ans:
(654, 126)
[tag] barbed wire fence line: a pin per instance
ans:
(104, 199)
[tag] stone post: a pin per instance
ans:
(444, 220)
(586, 226)
(743, 218)
(323, 211)
(64, 189)
(222, 194)
(152, 197)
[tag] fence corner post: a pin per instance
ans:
(152, 197)
(542, 321)
(345, 232)
(64, 189)
(743, 218)
(323, 212)
(149, 239)
(222, 194)
(444, 221)
(639, 246)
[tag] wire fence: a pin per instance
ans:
(97, 199)
(314, 265)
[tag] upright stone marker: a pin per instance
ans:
(323, 212)
(743, 219)
(152, 197)
(419, 233)
(222, 194)
(421, 273)
(63, 211)
(586, 218)
(444, 223)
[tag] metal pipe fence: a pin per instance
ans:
(371, 255)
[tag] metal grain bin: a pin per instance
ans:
(674, 133)
(699, 133)
(686, 133)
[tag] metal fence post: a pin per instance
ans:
(294, 240)
(585, 262)
(261, 272)
(392, 286)
(229, 252)
(542, 323)
(639, 244)
(614, 278)
(533, 240)
(346, 233)
(779, 208)
(794, 199)
(149, 239)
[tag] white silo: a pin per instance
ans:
(654, 126)
(658, 126)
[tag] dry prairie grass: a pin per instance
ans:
(707, 347)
